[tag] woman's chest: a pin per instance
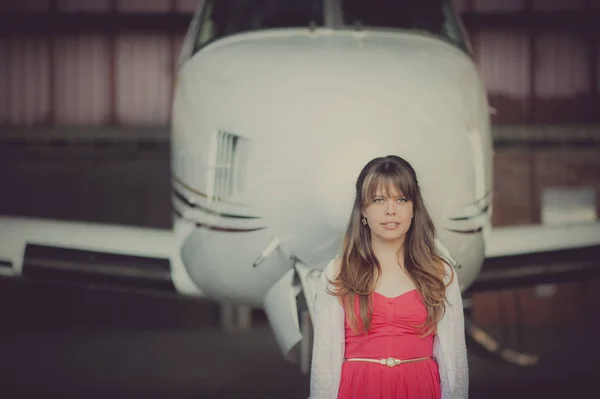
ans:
(406, 309)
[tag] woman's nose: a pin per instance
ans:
(390, 208)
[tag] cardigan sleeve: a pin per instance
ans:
(327, 352)
(458, 347)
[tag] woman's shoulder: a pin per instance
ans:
(332, 269)
(448, 272)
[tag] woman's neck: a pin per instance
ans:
(389, 254)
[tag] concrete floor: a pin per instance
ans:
(97, 343)
(75, 342)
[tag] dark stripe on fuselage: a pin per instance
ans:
(470, 231)
(201, 194)
(485, 197)
(218, 228)
(469, 217)
(210, 211)
(483, 202)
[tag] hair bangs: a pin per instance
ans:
(385, 182)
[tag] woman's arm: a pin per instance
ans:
(326, 356)
(459, 356)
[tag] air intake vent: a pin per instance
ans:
(230, 165)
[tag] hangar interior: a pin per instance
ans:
(85, 105)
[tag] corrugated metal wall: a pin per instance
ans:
(115, 78)
(125, 78)
(87, 79)
(26, 75)
(160, 6)
(79, 93)
(505, 65)
(555, 84)
(540, 71)
(144, 79)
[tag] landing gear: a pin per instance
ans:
(484, 341)
(493, 347)
(306, 329)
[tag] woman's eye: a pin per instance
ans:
(378, 200)
(402, 200)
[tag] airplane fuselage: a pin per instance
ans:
(271, 128)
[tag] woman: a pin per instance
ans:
(388, 318)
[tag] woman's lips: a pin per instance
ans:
(390, 225)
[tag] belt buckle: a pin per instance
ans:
(391, 362)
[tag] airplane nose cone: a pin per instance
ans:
(328, 104)
(335, 185)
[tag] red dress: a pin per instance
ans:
(391, 335)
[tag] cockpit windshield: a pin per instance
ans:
(432, 16)
(222, 18)
(226, 17)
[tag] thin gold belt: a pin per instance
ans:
(390, 361)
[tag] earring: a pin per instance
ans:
(364, 221)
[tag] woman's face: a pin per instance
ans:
(389, 215)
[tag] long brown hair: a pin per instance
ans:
(360, 267)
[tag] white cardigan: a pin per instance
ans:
(449, 347)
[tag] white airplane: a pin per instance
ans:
(277, 107)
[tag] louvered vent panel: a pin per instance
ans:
(231, 156)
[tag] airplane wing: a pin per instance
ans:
(536, 254)
(93, 254)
